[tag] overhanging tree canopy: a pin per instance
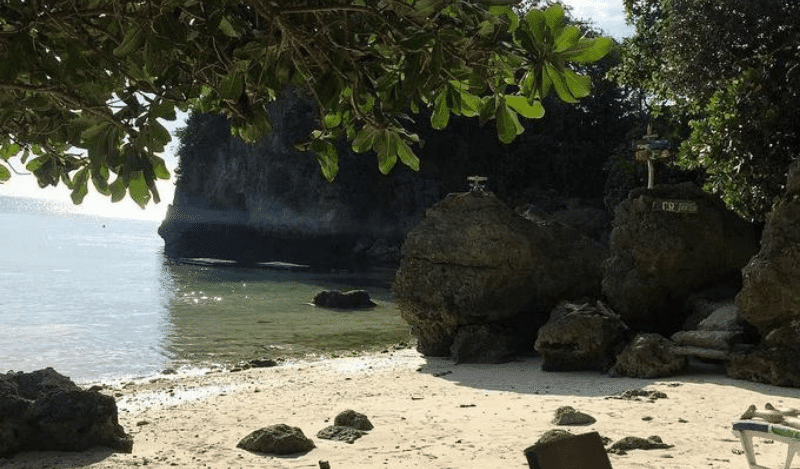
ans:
(83, 84)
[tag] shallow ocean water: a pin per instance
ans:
(94, 298)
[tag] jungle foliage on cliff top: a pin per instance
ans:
(83, 85)
(730, 71)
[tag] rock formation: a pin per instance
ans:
(649, 355)
(770, 295)
(666, 243)
(472, 261)
(348, 426)
(277, 439)
(569, 416)
(268, 202)
(581, 337)
(45, 411)
(722, 331)
(353, 299)
(778, 365)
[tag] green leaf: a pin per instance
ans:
(547, 84)
(117, 189)
(509, 13)
(332, 120)
(386, 148)
(327, 157)
(560, 85)
(589, 50)
(100, 179)
(79, 186)
(364, 141)
(579, 85)
(488, 109)
(227, 28)
(441, 113)
(8, 150)
(231, 87)
(470, 104)
(554, 17)
(133, 40)
(536, 24)
(159, 167)
(138, 189)
(255, 127)
(405, 153)
(35, 164)
(508, 126)
(521, 105)
(568, 38)
(5, 174)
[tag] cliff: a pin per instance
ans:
(267, 202)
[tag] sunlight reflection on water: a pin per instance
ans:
(94, 298)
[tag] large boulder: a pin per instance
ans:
(649, 355)
(666, 243)
(778, 365)
(473, 261)
(278, 439)
(770, 295)
(45, 411)
(581, 337)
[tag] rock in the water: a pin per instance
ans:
(770, 295)
(568, 416)
(668, 242)
(277, 439)
(474, 261)
(581, 337)
(634, 442)
(351, 418)
(353, 299)
(649, 355)
(778, 365)
(45, 411)
(340, 433)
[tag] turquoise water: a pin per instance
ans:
(94, 298)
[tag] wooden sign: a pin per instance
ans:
(675, 206)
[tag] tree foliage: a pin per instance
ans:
(86, 85)
(731, 69)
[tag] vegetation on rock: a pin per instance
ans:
(730, 71)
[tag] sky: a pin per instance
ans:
(606, 15)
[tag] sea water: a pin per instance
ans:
(95, 298)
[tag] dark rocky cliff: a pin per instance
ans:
(267, 202)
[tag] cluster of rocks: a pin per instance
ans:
(282, 439)
(46, 411)
(586, 449)
(479, 282)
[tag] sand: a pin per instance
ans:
(427, 413)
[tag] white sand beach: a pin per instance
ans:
(427, 413)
